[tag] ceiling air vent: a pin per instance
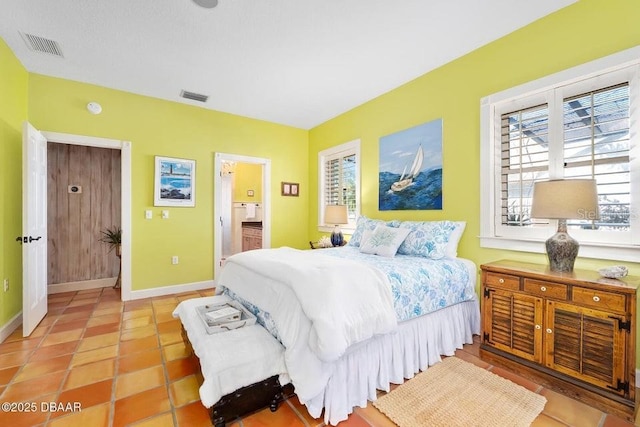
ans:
(195, 96)
(40, 44)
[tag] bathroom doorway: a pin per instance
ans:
(242, 211)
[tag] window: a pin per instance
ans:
(581, 123)
(339, 181)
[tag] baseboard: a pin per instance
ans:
(172, 289)
(10, 326)
(81, 285)
(637, 378)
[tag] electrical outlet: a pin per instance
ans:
(148, 214)
(6, 285)
(165, 214)
(174, 260)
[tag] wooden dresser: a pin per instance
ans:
(572, 332)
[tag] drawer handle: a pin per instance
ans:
(501, 281)
(538, 327)
(596, 298)
(543, 288)
(549, 331)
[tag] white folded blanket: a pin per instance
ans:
(347, 302)
(233, 359)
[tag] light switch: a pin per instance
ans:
(148, 214)
(165, 214)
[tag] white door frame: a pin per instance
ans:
(125, 192)
(217, 202)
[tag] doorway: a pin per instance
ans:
(125, 193)
(240, 199)
(83, 191)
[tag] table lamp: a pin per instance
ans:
(564, 199)
(336, 215)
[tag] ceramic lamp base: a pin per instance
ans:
(562, 250)
(336, 237)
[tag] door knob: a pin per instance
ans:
(31, 239)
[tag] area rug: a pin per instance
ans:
(456, 393)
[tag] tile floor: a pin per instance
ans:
(124, 364)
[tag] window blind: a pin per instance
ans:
(596, 146)
(524, 160)
(340, 182)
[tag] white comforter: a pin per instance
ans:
(321, 306)
(347, 302)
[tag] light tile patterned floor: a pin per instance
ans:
(125, 365)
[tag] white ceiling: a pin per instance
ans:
(294, 62)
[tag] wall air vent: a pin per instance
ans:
(194, 96)
(40, 44)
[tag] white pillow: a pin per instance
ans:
(451, 250)
(383, 240)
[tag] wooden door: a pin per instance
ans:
(587, 344)
(513, 323)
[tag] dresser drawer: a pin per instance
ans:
(598, 299)
(503, 281)
(545, 289)
(251, 232)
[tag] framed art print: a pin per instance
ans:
(175, 182)
(290, 189)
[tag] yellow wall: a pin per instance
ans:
(453, 92)
(247, 176)
(157, 127)
(585, 31)
(13, 111)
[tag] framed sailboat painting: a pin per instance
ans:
(410, 174)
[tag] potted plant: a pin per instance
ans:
(113, 237)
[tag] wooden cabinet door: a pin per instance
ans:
(513, 323)
(586, 344)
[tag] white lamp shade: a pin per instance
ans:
(565, 199)
(336, 214)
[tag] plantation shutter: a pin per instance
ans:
(596, 146)
(339, 181)
(524, 152)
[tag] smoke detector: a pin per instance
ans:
(94, 108)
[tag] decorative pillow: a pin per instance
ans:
(383, 240)
(363, 223)
(431, 239)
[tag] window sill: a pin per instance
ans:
(587, 250)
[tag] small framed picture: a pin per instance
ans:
(175, 182)
(290, 189)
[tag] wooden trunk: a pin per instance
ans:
(267, 393)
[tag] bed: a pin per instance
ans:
(349, 329)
